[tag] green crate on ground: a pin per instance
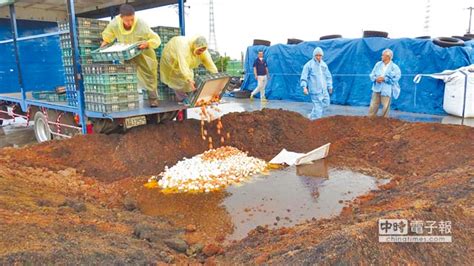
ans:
(108, 68)
(111, 88)
(111, 78)
(113, 107)
(131, 51)
(109, 98)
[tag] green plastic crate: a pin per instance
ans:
(111, 88)
(131, 52)
(69, 78)
(108, 69)
(83, 51)
(67, 61)
(110, 78)
(82, 42)
(109, 98)
(84, 23)
(68, 70)
(50, 96)
(113, 107)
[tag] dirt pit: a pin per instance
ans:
(83, 199)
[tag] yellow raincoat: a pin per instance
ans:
(146, 62)
(178, 60)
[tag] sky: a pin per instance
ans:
(238, 22)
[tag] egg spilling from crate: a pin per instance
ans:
(213, 170)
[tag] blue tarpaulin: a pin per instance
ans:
(351, 61)
(40, 59)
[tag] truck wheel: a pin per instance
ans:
(41, 127)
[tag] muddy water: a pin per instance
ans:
(283, 198)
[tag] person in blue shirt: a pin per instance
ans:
(316, 80)
(385, 77)
(260, 71)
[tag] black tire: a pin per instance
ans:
(466, 39)
(469, 35)
(423, 37)
(41, 127)
(242, 94)
(328, 37)
(261, 42)
(294, 41)
(373, 33)
(448, 42)
(234, 83)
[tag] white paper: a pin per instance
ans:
(286, 157)
(294, 158)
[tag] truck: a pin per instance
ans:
(61, 119)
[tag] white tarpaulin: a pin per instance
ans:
(294, 158)
(458, 90)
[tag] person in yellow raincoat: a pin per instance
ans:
(180, 56)
(128, 29)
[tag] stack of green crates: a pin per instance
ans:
(110, 88)
(89, 36)
(165, 33)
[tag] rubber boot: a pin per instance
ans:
(153, 99)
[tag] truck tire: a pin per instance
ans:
(41, 128)
(463, 38)
(261, 42)
(328, 37)
(423, 37)
(448, 42)
(294, 41)
(373, 33)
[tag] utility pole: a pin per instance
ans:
(427, 17)
(212, 32)
(470, 19)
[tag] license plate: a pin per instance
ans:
(135, 121)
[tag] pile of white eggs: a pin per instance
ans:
(212, 170)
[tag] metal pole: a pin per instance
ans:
(470, 19)
(181, 16)
(76, 65)
(17, 55)
(183, 32)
